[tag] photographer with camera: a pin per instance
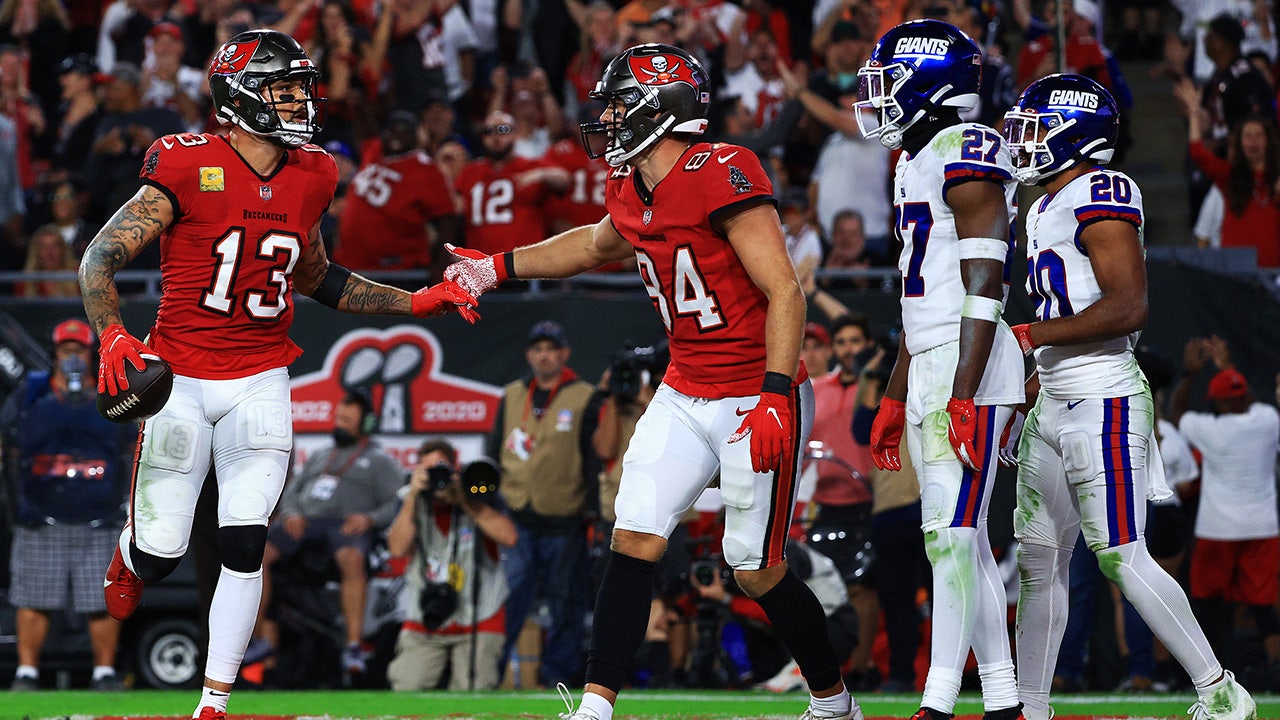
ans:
(67, 490)
(626, 388)
(453, 525)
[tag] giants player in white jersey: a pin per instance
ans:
(958, 373)
(700, 220)
(1087, 458)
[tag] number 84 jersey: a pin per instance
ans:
(228, 256)
(1060, 280)
(932, 288)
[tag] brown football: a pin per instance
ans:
(148, 392)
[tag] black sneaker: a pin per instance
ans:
(22, 683)
(1010, 713)
(107, 683)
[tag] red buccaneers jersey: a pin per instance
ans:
(384, 218)
(713, 312)
(500, 214)
(583, 203)
(226, 260)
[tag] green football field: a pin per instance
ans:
(85, 705)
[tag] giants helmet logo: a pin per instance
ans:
(232, 58)
(658, 70)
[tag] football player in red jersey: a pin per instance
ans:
(238, 222)
(503, 194)
(390, 202)
(701, 221)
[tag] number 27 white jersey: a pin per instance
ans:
(1060, 280)
(932, 289)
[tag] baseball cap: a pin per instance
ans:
(73, 330)
(548, 330)
(817, 332)
(1228, 384)
(166, 28)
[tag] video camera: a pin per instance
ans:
(632, 368)
(480, 478)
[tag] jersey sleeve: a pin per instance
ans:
(732, 180)
(1107, 196)
(175, 170)
(979, 154)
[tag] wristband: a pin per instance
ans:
(977, 248)
(334, 281)
(978, 307)
(508, 266)
(776, 383)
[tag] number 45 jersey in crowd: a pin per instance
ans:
(932, 288)
(227, 257)
(712, 310)
(1061, 282)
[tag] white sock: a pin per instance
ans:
(941, 686)
(839, 704)
(102, 671)
(1163, 605)
(232, 614)
(999, 686)
(216, 699)
(27, 671)
(597, 704)
(1042, 620)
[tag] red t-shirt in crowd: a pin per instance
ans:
(1259, 225)
(501, 213)
(384, 219)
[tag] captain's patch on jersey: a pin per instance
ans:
(211, 180)
(739, 181)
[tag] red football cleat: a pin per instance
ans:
(209, 713)
(122, 589)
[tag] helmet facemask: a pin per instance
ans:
(876, 92)
(261, 100)
(629, 132)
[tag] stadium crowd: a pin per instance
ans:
(457, 121)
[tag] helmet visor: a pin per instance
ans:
(876, 107)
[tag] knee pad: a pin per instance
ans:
(240, 547)
(150, 568)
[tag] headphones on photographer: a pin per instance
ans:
(368, 417)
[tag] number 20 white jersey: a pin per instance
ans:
(932, 289)
(1060, 280)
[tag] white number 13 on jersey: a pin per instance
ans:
(689, 292)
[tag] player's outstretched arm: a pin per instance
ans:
(982, 224)
(1115, 254)
(134, 226)
(337, 287)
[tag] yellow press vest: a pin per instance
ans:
(549, 481)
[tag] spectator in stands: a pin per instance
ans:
(126, 131)
(754, 78)
(999, 89)
(42, 30)
(848, 250)
(583, 202)
(414, 52)
(123, 35)
(200, 30)
(542, 437)
(1248, 179)
(390, 203)
(1236, 89)
(1254, 18)
(68, 462)
(597, 44)
(816, 349)
(23, 108)
(339, 48)
(732, 122)
(48, 253)
(451, 156)
(12, 204)
(459, 42)
(1084, 55)
(526, 94)
(1237, 552)
(341, 497)
(804, 245)
(78, 115)
(64, 206)
(439, 120)
(166, 82)
(455, 588)
(503, 194)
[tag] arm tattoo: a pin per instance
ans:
(311, 267)
(134, 226)
(366, 297)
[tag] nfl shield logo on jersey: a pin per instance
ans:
(648, 215)
(264, 192)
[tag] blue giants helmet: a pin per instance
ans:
(917, 67)
(1060, 120)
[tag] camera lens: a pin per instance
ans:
(439, 476)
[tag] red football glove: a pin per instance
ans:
(769, 425)
(476, 272)
(1023, 333)
(962, 431)
(1009, 439)
(886, 434)
(116, 347)
(443, 297)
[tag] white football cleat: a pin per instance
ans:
(855, 713)
(1227, 701)
(580, 714)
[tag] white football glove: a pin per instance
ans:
(476, 272)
